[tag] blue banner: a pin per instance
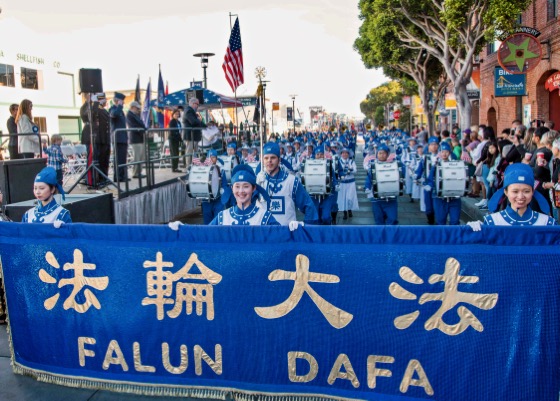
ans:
(507, 84)
(374, 313)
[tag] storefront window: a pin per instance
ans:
(29, 78)
(7, 75)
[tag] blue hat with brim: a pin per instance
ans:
(518, 173)
(232, 145)
(445, 146)
(433, 139)
(119, 96)
(48, 176)
(244, 173)
(212, 152)
(271, 148)
(319, 149)
(383, 148)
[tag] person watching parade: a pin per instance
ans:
(285, 190)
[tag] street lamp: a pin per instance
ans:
(204, 63)
(294, 112)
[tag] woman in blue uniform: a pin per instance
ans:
(519, 184)
(47, 210)
(247, 210)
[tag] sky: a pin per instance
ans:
(306, 46)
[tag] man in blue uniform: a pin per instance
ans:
(285, 190)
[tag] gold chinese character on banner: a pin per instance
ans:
(449, 298)
(160, 287)
(78, 282)
(302, 277)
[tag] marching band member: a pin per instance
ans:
(297, 148)
(369, 156)
(285, 190)
(444, 207)
(519, 183)
(324, 203)
(291, 158)
(247, 210)
(417, 183)
(245, 156)
(47, 209)
(307, 153)
(347, 196)
(385, 211)
(211, 207)
(408, 159)
(422, 173)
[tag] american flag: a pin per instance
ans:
(233, 60)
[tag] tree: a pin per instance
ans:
(452, 31)
(386, 96)
(380, 46)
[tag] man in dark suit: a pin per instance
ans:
(136, 136)
(118, 122)
(12, 129)
(193, 122)
(103, 144)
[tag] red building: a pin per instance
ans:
(542, 99)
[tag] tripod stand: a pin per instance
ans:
(93, 167)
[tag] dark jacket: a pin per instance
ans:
(118, 121)
(133, 120)
(84, 114)
(192, 120)
(12, 129)
(104, 134)
(175, 135)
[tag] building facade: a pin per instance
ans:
(542, 98)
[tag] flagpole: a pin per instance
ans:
(235, 91)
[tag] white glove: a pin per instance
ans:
(427, 188)
(222, 191)
(293, 225)
(368, 191)
(261, 177)
(475, 225)
(58, 223)
(174, 225)
(337, 188)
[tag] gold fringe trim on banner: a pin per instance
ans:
(165, 390)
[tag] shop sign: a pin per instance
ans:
(507, 84)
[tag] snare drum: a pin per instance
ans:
(451, 179)
(387, 180)
(203, 182)
(229, 163)
(316, 177)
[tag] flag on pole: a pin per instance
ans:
(146, 105)
(137, 91)
(233, 60)
(167, 114)
(160, 89)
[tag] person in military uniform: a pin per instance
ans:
(118, 122)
